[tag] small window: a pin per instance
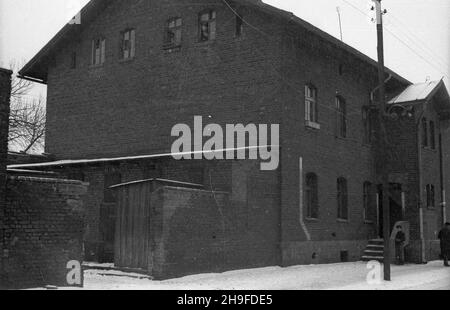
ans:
(73, 60)
(128, 44)
(207, 26)
(311, 106)
(173, 32)
(239, 25)
(342, 199)
(341, 117)
(312, 196)
(368, 201)
(98, 51)
(424, 132)
(430, 196)
(432, 136)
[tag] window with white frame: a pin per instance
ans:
(311, 105)
(128, 44)
(98, 51)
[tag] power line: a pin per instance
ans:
(400, 40)
(423, 44)
(294, 88)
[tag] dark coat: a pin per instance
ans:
(444, 236)
(400, 237)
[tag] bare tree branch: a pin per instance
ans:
(27, 116)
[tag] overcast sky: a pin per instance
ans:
(423, 26)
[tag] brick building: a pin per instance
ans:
(122, 78)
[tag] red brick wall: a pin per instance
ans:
(310, 60)
(129, 108)
(44, 227)
(255, 196)
(204, 231)
(125, 108)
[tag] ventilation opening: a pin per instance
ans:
(344, 256)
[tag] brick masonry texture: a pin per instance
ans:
(5, 91)
(125, 108)
(44, 227)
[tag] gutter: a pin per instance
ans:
(302, 221)
(23, 77)
(378, 87)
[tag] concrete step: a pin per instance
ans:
(370, 258)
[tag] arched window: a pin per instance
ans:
(311, 105)
(432, 136)
(312, 196)
(342, 199)
(368, 201)
(424, 132)
(341, 117)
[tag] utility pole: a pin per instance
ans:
(383, 144)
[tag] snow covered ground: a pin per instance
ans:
(345, 276)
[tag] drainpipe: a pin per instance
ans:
(442, 177)
(372, 93)
(419, 171)
(302, 221)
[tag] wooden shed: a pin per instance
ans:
(138, 223)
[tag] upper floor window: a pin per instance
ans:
(430, 196)
(207, 25)
(312, 196)
(424, 132)
(239, 25)
(128, 44)
(342, 199)
(173, 32)
(341, 117)
(98, 51)
(311, 106)
(432, 136)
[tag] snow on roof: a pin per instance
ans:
(416, 92)
(60, 163)
(172, 182)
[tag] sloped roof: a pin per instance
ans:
(37, 68)
(421, 92)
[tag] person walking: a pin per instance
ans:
(444, 237)
(400, 239)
